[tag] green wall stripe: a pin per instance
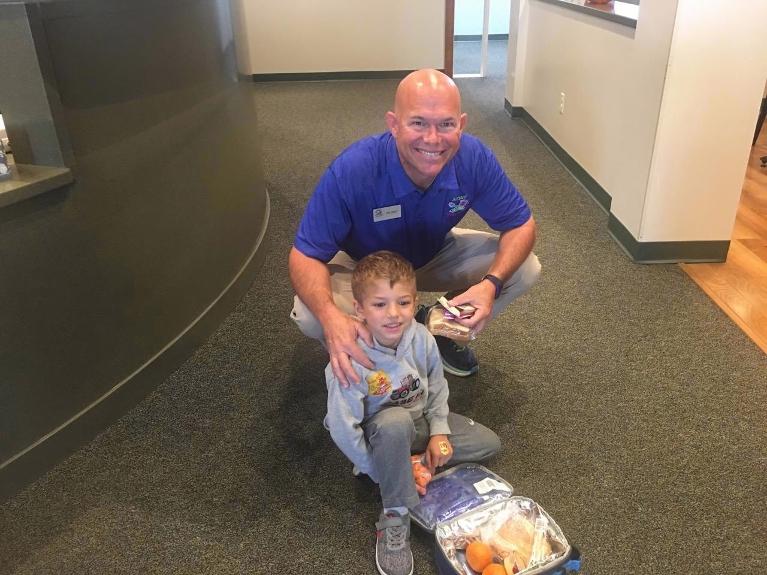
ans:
(324, 76)
(596, 191)
(477, 37)
(667, 252)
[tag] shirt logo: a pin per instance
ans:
(387, 213)
(378, 383)
(458, 204)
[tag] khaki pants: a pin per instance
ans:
(462, 262)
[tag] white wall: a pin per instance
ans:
(661, 117)
(3, 136)
(612, 77)
(712, 94)
(304, 36)
(469, 15)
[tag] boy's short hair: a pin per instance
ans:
(380, 265)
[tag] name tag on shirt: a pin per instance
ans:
(387, 213)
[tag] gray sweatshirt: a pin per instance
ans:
(410, 377)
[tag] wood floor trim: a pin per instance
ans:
(705, 284)
(739, 285)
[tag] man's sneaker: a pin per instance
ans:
(393, 555)
(456, 359)
(422, 312)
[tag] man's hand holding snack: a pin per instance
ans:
(481, 296)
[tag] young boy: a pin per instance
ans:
(398, 408)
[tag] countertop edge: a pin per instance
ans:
(625, 20)
(29, 180)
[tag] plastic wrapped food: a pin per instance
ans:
(441, 321)
(522, 535)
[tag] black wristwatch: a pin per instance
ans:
(496, 282)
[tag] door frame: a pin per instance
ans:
(449, 34)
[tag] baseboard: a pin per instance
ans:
(31, 463)
(514, 111)
(640, 252)
(666, 252)
(596, 191)
(477, 37)
(325, 76)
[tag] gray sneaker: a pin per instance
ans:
(393, 556)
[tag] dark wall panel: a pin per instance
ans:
(167, 208)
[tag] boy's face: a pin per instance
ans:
(387, 310)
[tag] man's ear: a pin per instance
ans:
(358, 308)
(391, 122)
(462, 121)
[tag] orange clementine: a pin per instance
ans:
(494, 569)
(478, 555)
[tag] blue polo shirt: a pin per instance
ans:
(365, 202)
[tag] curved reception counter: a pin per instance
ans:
(135, 217)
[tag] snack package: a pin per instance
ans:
(521, 535)
(441, 321)
(421, 474)
(520, 542)
(457, 490)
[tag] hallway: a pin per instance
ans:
(629, 406)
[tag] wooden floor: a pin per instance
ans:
(739, 286)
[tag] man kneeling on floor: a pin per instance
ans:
(400, 407)
(405, 191)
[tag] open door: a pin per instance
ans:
(450, 39)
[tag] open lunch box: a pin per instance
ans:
(469, 503)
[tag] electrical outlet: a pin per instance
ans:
(561, 102)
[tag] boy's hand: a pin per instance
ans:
(438, 452)
(421, 475)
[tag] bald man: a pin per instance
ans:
(405, 191)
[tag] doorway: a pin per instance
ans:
(737, 286)
(476, 37)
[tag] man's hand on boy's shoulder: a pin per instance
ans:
(341, 333)
(438, 452)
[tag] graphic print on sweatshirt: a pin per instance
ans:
(378, 382)
(409, 391)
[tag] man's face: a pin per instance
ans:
(427, 124)
(387, 310)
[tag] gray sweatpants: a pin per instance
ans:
(462, 262)
(393, 435)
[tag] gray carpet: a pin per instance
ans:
(629, 406)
